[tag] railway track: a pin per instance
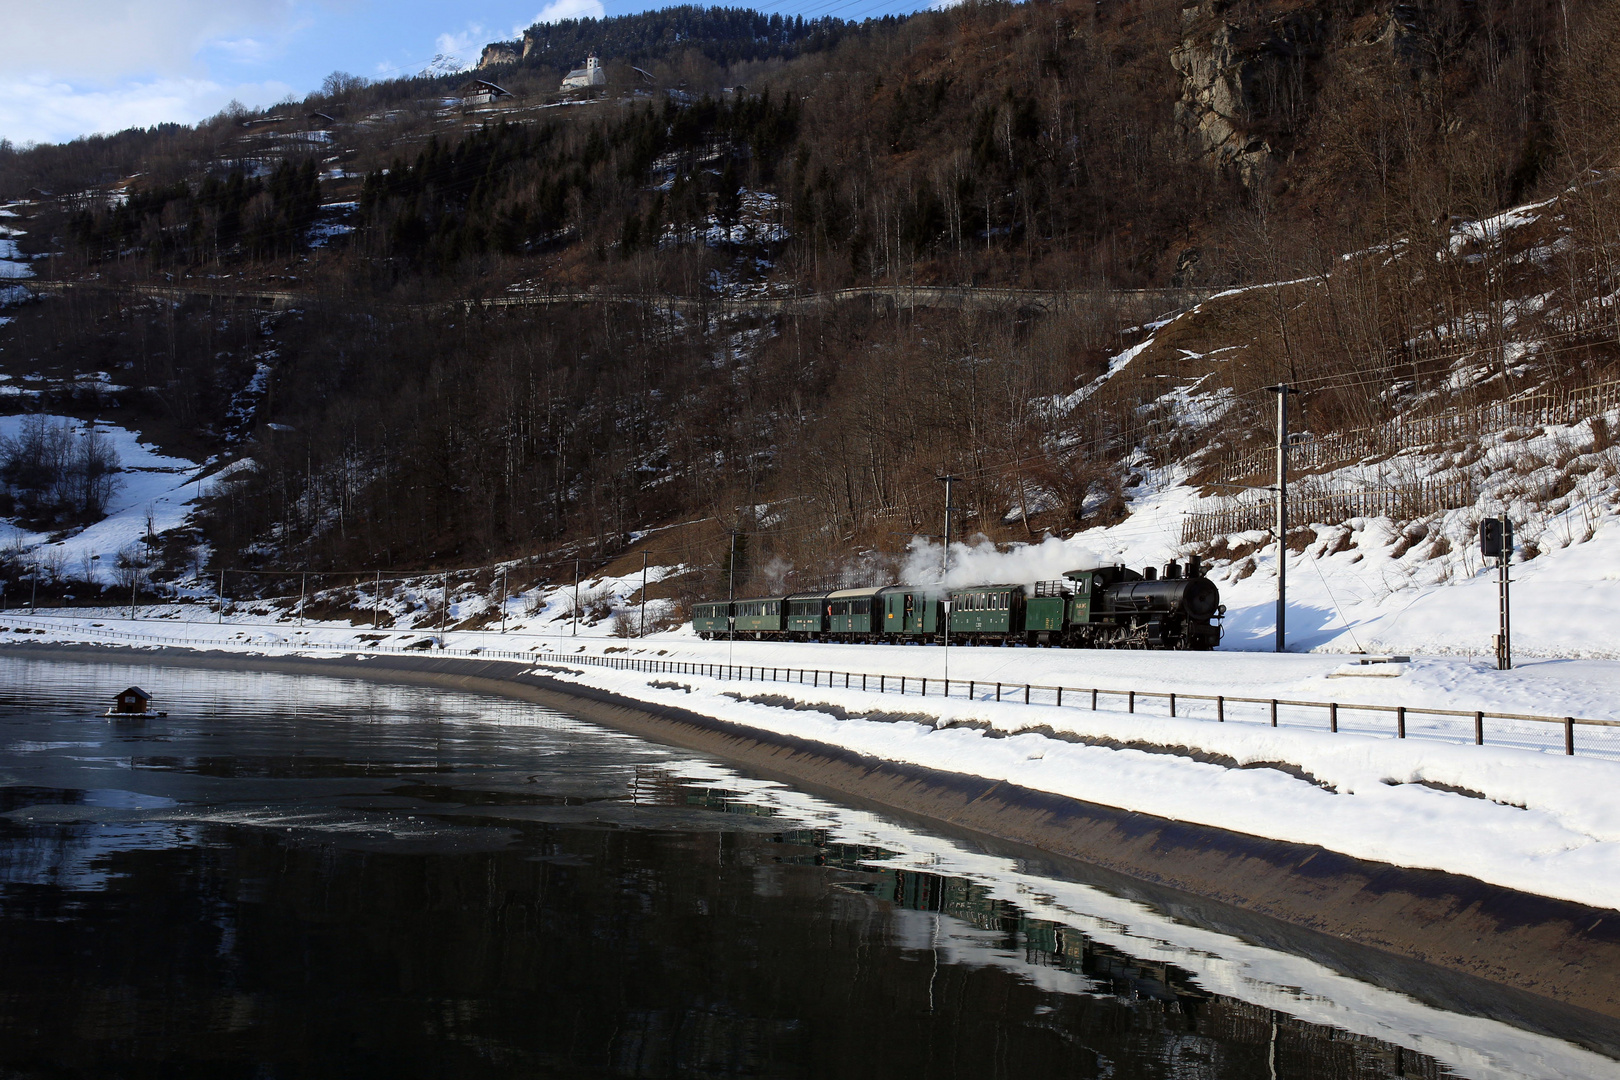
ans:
(900, 297)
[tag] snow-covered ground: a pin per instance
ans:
(13, 264)
(154, 493)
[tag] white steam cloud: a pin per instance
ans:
(980, 562)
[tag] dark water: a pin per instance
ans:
(307, 877)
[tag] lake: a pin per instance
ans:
(296, 876)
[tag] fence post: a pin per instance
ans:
(972, 690)
(1060, 697)
(1131, 702)
(902, 686)
(1172, 704)
(998, 691)
(925, 686)
(1273, 712)
(1569, 736)
(1400, 721)
(1094, 701)
(1220, 709)
(1333, 717)
(881, 680)
(1479, 729)
(863, 680)
(1026, 693)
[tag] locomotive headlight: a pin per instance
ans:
(1221, 610)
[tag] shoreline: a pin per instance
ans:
(1549, 965)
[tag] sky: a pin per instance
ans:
(76, 67)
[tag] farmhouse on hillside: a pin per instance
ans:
(481, 92)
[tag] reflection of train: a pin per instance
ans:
(1043, 942)
(1108, 607)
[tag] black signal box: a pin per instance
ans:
(1495, 538)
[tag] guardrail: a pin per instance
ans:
(1093, 698)
(903, 684)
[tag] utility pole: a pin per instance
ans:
(643, 631)
(222, 596)
(731, 589)
(376, 599)
(944, 572)
(444, 615)
(33, 597)
(1282, 390)
(504, 572)
(1496, 541)
(576, 597)
(303, 591)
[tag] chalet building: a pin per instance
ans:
(481, 92)
(588, 76)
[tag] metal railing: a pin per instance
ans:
(1075, 697)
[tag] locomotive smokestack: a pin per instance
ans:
(1172, 571)
(1150, 573)
(1195, 566)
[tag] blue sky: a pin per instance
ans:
(74, 67)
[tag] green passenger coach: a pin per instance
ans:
(806, 616)
(711, 619)
(850, 613)
(759, 617)
(909, 612)
(988, 613)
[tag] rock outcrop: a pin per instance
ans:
(1249, 69)
(499, 54)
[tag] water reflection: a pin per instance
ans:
(368, 878)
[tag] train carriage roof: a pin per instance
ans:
(855, 594)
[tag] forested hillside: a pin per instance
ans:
(449, 333)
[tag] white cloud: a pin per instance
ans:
(43, 109)
(75, 67)
(558, 10)
(104, 40)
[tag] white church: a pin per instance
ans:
(589, 75)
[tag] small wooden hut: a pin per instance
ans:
(133, 701)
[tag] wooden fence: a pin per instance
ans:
(1258, 512)
(1339, 448)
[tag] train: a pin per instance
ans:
(1107, 607)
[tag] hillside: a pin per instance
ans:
(1143, 215)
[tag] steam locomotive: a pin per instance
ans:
(1109, 607)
